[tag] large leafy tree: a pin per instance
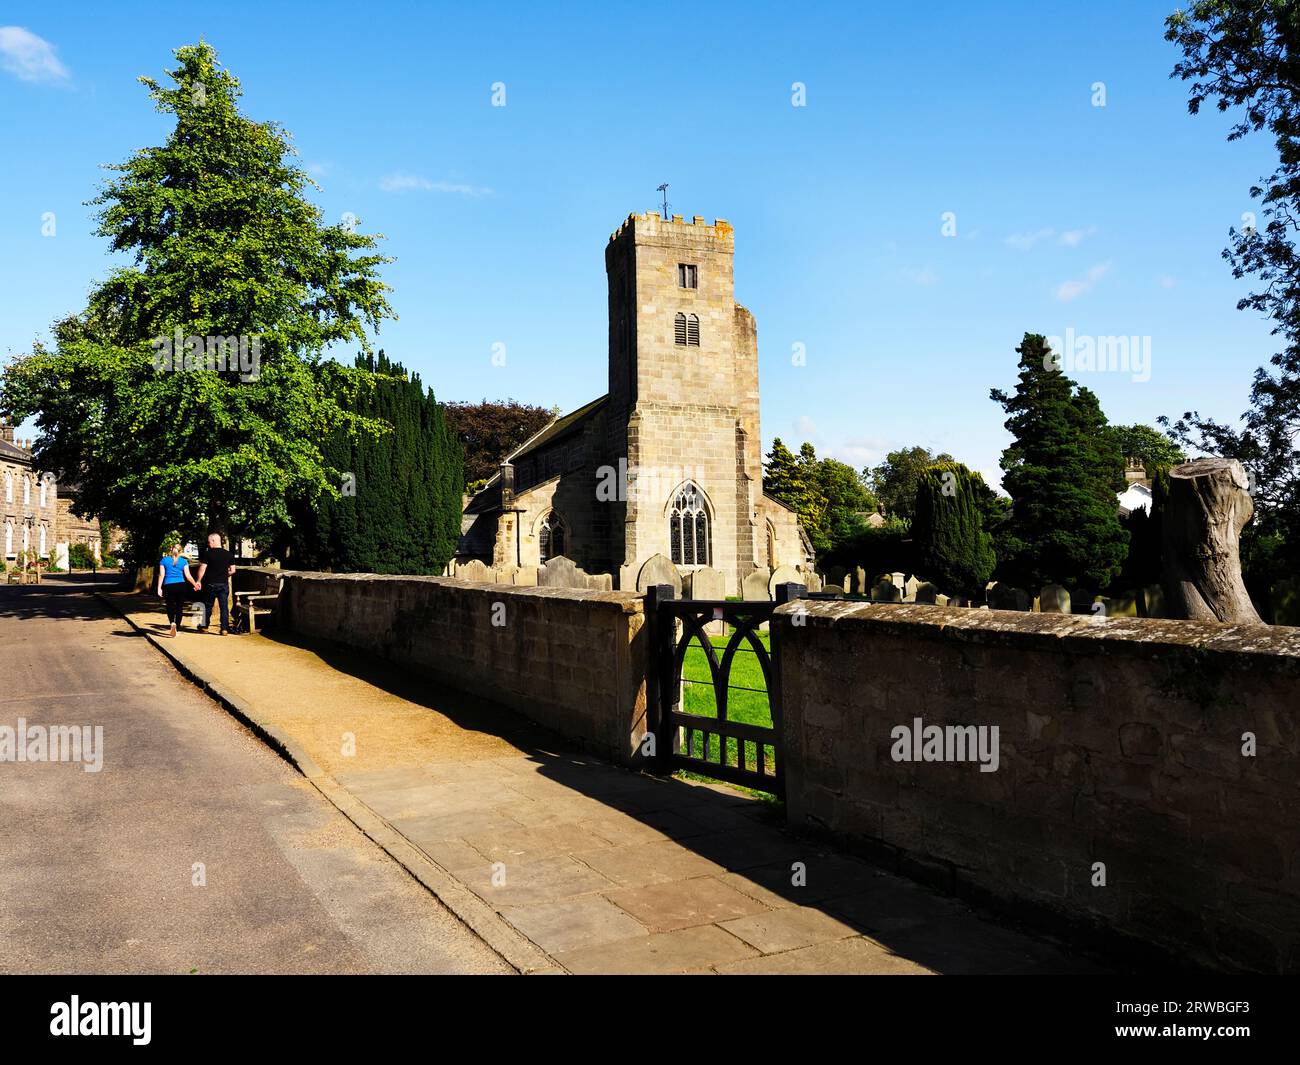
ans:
(896, 480)
(400, 508)
(1242, 55)
(953, 549)
(1062, 471)
(222, 242)
(1153, 448)
(828, 495)
(488, 432)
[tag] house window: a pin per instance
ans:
(687, 276)
(688, 528)
(686, 330)
(550, 536)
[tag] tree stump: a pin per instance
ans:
(1207, 508)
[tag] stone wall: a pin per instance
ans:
(1120, 753)
(570, 659)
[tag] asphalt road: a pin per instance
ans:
(98, 869)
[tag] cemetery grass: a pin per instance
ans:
(747, 699)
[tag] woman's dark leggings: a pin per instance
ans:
(174, 594)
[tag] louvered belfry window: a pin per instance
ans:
(693, 330)
(679, 329)
(688, 528)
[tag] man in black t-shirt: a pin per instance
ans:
(220, 563)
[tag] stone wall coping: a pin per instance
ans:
(624, 602)
(1274, 645)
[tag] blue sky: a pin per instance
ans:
(1107, 221)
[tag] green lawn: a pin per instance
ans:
(746, 697)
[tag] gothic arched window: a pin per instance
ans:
(693, 330)
(686, 329)
(688, 528)
(550, 536)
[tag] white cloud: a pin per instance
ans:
(1072, 290)
(405, 182)
(30, 58)
(861, 451)
(1025, 241)
(805, 429)
(924, 276)
(1072, 238)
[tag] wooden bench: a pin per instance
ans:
(256, 593)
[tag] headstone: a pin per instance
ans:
(886, 592)
(659, 569)
(704, 583)
(813, 581)
(600, 582)
(835, 576)
(476, 571)
(1123, 606)
(560, 572)
(754, 587)
(1002, 596)
(897, 578)
(940, 600)
(1054, 599)
(1153, 601)
(861, 586)
(909, 589)
(928, 593)
(783, 575)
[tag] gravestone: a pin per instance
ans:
(560, 572)
(476, 571)
(754, 587)
(659, 569)
(835, 576)
(600, 582)
(1002, 596)
(897, 578)
(704, 583)
(813, 581)
(1152, 602)
(940, 600)
(783, 575)
(1054, 599)
(928, 593)
(861, 584)
(886, 592)
(909, 589)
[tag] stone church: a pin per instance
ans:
(669, 461)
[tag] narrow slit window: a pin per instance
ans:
(693, 330)
(679, 329)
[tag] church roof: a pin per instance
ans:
(16, 454)
(558, 429)
(488, 498)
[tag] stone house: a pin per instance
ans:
(668, 462)
(28, 501)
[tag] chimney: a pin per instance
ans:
(6, 431)
(507, 485)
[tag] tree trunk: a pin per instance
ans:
(1207, 508)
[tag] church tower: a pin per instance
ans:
(683, 398)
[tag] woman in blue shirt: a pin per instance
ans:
(173, 576)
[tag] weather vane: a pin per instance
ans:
(664, 189)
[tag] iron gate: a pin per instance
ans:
(737, 751)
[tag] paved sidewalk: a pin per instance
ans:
(564, 863)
